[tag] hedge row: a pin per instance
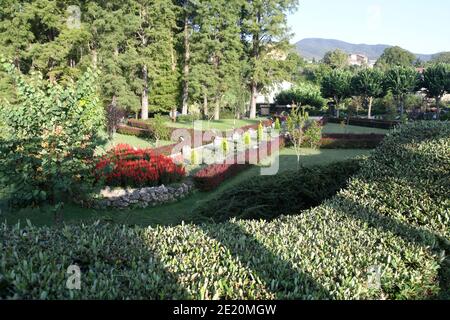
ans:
(132, 131)
(213, 175)
(351, 141)
(371, 123)
(267, 197)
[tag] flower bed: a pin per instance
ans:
(125, 166)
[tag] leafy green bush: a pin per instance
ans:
(53, 132)
(313, 135)
(159, 128)
(269, 197)
(303, 94)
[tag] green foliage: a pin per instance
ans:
(337, 86)
(225, 146)
(436, 81)
(368, 84)
(304, 94)
(260, 132)
(336, 59)
(287, 193)
(266, 36)
(247, 138)
(313, 135)
(395, 57)
(443, 57)
(53, 133)
(194, 157)
(277, 125)
(159, 128)
(296, 122)
(401, 81)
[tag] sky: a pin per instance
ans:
(421, 26)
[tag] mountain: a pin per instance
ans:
(316, 48)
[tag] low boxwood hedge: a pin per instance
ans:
(268, 197)
(394, 215)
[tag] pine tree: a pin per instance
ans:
(216, 51)
(266, 37)
(154, 24)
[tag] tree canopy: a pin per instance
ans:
(396, 56)
(336, 59)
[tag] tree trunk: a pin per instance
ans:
(254, 93)
(217, 111)
(94, 58)
(187, 54)
(438, 107)
(144, 105)
(205, 106)
(369, 107)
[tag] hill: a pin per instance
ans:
(316, 48)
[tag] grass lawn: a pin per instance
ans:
(226, 124)
(134, 142)
(173, 214)
(337, 128)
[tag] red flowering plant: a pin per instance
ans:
(125, 166)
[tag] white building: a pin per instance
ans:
(269, 97)
(358, 60)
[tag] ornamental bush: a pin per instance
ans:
(303, 94)
(52, 134)
(125, 166)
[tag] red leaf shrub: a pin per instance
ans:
(213, 175)
(125, 166)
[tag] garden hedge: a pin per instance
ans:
(371, 123)
(394, 214)
(268, 197)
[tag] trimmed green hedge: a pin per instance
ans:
(394, 215)
(268, 197)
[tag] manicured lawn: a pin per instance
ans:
(134, 142)
(226, 124)
(337, 128)
(173, 214)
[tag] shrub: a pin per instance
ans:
(53, 132)
(313, 135)
(213, 175)
(159, 128)
(268, 197)
(247, 138)
(127, 167)
(260, 132)
(132, 131)
(277, 124)
(351, 141)
(303, 94)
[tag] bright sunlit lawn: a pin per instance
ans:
(183, 210)
(226, 124)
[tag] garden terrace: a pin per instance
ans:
(386, 217)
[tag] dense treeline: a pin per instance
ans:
(154, 55)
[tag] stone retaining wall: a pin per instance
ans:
(118, 198)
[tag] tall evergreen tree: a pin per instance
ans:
(266, 37)
(216, 51)
(154, 23)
